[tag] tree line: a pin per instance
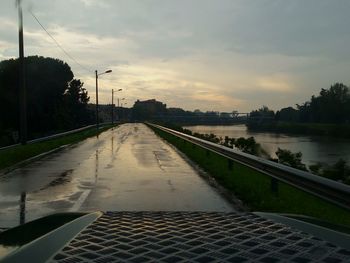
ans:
(56, 101)
(321, 115)
(330, 106)
(153, 110)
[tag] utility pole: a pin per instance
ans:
(22, 87)
(118, 106)
(112, 106)
(96, 108)
(96, 76)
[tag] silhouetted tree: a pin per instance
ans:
(76, 100)
(331, 106)
(294, 160)
(54, 98)
(340, 171)
(288, 114)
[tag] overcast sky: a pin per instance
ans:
(220, 55)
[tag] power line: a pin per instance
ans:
(58, 44)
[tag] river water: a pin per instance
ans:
(314, 148)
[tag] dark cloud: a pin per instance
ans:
(230, 48)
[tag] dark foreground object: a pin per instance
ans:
(195, 237)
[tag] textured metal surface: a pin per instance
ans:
(196, 237)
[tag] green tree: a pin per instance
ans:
(340, 171)
(288, 158)
(288, 114)
(76, 99)
(54, 98)
(331, 106)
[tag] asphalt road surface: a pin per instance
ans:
(127, 168)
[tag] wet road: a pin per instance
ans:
(127, 168)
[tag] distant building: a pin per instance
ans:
(148, 109)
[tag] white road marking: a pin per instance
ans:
(80, 201)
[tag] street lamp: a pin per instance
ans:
(118, 107)
(22, 87)
(96, 74)
(113, 104)
(120, 99)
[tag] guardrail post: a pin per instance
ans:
(274, 186)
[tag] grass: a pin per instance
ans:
(12, 156)
(254, 188)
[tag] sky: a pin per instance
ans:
(220, 55)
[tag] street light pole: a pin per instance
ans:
(113, 104)
(118, 107)
(112, 107)
(96, 108)
(22, 89)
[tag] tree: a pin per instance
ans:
(54, 98)
(340, 171)
(331, 106)
(76, 100)
(288, 114)
(261, 116)
(263, 113)
(288, 158)
(304, 112)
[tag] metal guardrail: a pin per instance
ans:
(324, 188)
(54, 136)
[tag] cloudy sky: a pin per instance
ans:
(218, 55)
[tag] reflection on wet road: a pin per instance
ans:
(127, 168)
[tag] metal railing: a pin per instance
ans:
(324, 188)
(54, 136)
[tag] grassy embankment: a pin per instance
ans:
(254, 188)
(12, 156)
(321, 129)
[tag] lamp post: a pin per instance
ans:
(118, 106)
(113, 104)
(123, 112)
(22, 88)
(120, 99)
(96, 75)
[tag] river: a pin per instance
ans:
(314, 148)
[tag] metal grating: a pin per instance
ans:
(195, 237)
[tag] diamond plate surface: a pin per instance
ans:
(195, 237)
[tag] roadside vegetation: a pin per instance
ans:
(17, 154)
(56, 100)
(339, 171)
(254, 188)
(326, 114)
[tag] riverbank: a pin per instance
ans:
(254, 188)
(319, 129)
(315, 149)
